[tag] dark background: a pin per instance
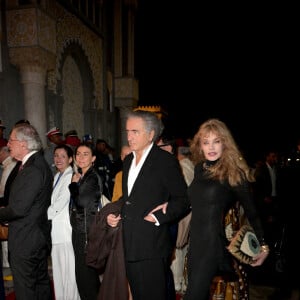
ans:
(239, 64)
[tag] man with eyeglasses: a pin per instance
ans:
(29, 238)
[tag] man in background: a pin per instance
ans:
(7, 163)
(178, 264)
(3, 141)
(54, 136)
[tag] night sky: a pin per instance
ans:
(238, 64)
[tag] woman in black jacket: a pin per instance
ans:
(85, 190)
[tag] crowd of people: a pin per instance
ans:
(171, 202)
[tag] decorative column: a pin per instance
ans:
(31, 38)
(33, 67)
(33, 79)
(132, 6)
(118, 45)
(126, 86)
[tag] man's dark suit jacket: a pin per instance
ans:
(160, 180)
(26, 213)
(263, 189)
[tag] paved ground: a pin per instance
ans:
(8, 282)
(257, 291)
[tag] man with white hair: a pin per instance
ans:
(29, 240)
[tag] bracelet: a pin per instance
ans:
(265, 248)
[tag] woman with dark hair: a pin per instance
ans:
(85, 188)
(62, 253)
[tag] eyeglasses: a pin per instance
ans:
(13, 140)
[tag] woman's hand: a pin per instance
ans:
(76, 177)
(259, 259)
(113, 220)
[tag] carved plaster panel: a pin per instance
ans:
(73, 97)
(126, 87)
(47, 32)
(72, 30)
(31, 38)
(32, 56)
(22, 27)
(30, 27)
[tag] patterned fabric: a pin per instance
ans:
(222, 288)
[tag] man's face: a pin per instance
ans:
(18, 149)
(137, 135)
(55, 139)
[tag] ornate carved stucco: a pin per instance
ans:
(47, 32)
(32, 56)
(31, 38)
(73, 98)
(30, 27)
(22, 27)
(72, 30)
(126, 87)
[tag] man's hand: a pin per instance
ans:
(162, 207)
(113, 220)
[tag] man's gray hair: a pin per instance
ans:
(27, 133)
(151, 120)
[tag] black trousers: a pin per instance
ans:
(87, 278)
(149, 279)
(31, 277)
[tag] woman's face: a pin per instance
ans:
(211, 146)
(84, 157)
(61, 159)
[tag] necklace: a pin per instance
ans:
(205, 166)
(209, 163)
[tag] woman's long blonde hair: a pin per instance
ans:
(231, 166)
